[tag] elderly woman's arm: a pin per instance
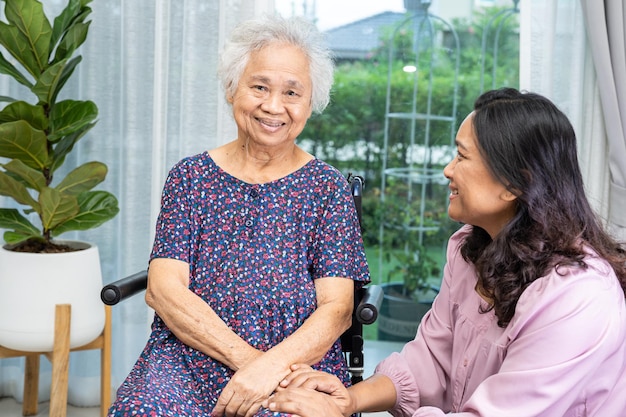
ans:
(191, 319)
(197, 325)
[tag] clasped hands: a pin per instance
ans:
(303, 392)
(309, 393)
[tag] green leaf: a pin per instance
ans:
(13, 238)
(69, 15)
(19, 226)
(56, 207)
(27, 37)
(11, 187)
(21, 141)
(7, 99)
(47, 83)
(20, 110)
(9, 69)
(65, 75)
(65, 145)
(72, 40)
(26, 175)
(69, 116)
(96, 207)
(83, 178)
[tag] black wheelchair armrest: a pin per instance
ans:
(117, 291)
(366, 311)
(367, 301)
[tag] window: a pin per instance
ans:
(405, 80)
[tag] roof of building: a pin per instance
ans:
(355, 40)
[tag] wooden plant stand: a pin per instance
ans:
(59, 357)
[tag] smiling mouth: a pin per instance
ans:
(270, 123)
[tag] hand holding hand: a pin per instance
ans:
(304, 377)
(303, 402)
(248, 388)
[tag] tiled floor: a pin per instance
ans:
(373, 352)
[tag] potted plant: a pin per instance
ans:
(408, 294)
(35, 139)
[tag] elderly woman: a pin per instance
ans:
(531, 319)
(257, 245)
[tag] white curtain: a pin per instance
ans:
(605, 22)
(557, 61)
(150, 66)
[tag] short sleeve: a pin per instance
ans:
(173, 231)
(337, 246)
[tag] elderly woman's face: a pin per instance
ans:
(476, 197)
(272, 102)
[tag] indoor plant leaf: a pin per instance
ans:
(56, 207)
(7, 99)
(46, 86)
(21, 141)
(65, 145)
(13, 188)
(9, 69)
(19, 226)
(83, 178)
(28, 176)
(96, 207)
(20, 110)
(69, 116)
(68, 69)
(28, 26)
(74, 13)
(74, 37)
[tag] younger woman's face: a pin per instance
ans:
(476, 196)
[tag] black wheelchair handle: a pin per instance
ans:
(119, 290)
(367, 310)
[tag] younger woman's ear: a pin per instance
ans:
(509, 195)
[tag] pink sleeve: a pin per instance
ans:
(420, 372)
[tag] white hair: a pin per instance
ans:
(255, 34)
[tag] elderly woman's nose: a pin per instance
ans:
(273, 103)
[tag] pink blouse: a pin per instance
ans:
(562, 355)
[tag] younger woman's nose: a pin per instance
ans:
(448, 169)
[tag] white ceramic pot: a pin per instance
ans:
(31, 284)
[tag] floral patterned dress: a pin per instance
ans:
(254, 252)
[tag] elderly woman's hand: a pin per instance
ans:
(249, 387)
(336, 399)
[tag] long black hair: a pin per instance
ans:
(530, 146)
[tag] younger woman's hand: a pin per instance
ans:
(303, 402)
(304, 377)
